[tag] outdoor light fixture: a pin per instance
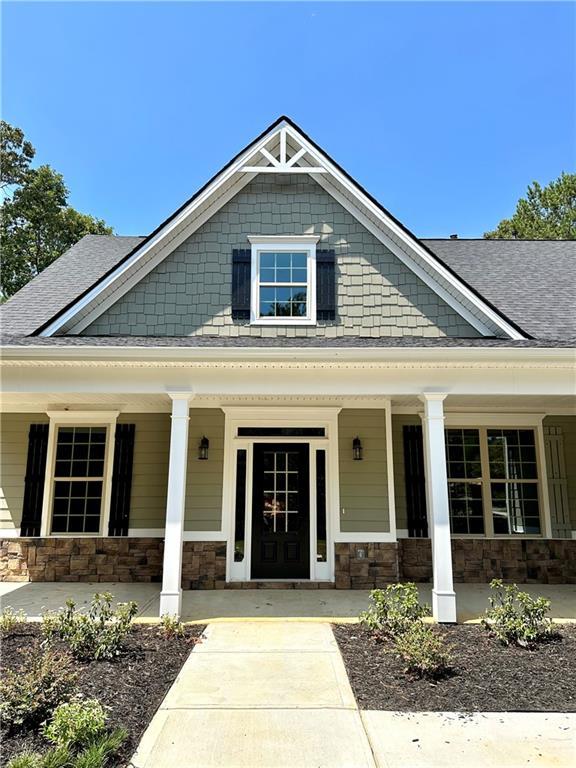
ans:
(203, 448)
(357, 449)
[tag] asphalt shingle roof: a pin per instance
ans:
(531, 282)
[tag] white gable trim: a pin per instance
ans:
(461, 298)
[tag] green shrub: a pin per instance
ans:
(423, 651)
(26, 760)
(10, 619)
(394, 609)
(171, 626)
(76, 723)
(30, 694)
(515, 617)
(96, 634)
(101, 750)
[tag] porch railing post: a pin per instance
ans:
(171, 595)
(443, 595)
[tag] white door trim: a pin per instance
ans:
(238, 416)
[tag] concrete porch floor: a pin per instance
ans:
(203, 606)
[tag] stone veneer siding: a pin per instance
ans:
(189, 293)
(378, 567)
(109, 559)
(524, 561)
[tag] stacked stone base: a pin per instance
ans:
(523, 561)
(109, 559)
(366, 566)
(357, 565)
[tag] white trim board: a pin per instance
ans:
(406, 246)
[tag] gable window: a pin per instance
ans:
(283, 286)
(493, 481)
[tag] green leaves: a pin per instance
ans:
(546, 213)
(36, 223)
(394, 609)
(515, 617)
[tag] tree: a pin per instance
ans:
(16, 154)
(546, 213)
(37, 225)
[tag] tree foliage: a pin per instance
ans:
(37, 225)
(546, 213)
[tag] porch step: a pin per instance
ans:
(280, 585)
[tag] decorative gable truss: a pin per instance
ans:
(282, 149)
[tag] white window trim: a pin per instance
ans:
(280, 243)
(78, 419)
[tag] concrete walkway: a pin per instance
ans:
(204, 606)
(276, 695)
(259, 695)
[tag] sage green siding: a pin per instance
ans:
(189, 293)
(398, 422)
(363, 484)
(568, 427)
(14, 428)
(150, 468)
(205, 478)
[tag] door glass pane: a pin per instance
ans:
(240, 506)
(321, 551)
(281, 496)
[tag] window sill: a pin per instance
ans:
(279, 322)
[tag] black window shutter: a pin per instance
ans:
(34, 480)
(241, 268)
(325, 285)
(121, 480)
(415, 480)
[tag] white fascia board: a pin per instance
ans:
(409, 355)
(222, 178)
(412, 244)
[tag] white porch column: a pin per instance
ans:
(443, 596)
(171, 595)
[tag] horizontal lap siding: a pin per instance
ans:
(398, 423)
(363, 484)
(14, 428)
(150, 468)
(205, 478)
(568, 427)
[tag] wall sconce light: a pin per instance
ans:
(357, 449)
(203, 448)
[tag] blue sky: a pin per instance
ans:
(444, 111)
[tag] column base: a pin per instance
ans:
(171, 603)
(444, 606)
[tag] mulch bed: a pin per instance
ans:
(132, 686)
(487, 676)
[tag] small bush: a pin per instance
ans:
(30, 694)
(26, 760)
(76, 723)
(394, 609)
(171, 626)
(97, 634)
(101, 750)
(515, 617)
(10, 619)
(423, 651)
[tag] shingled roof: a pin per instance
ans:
(531, 282)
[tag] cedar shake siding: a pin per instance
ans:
(190, 292)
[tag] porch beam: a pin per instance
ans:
(443, 595)
(171, 595)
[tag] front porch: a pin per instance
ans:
(206, 606)
(444, 472)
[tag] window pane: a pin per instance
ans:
(284, 299)
(508, 460)
(463, 453)
(240, 507)
(321, 551)
(466, 510)
(515, 508)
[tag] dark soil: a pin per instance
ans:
(486, 676)
(132, 686)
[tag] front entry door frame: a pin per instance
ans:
(280, 417)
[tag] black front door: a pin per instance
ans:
(281, 512)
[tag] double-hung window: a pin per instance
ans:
(283, 281)
(493, 484)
